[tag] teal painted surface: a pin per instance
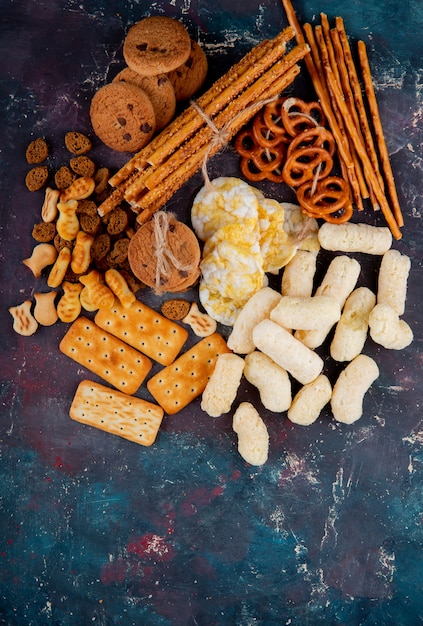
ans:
(96, 530)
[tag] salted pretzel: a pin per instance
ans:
(254, 174)
(313, 137)
(298, 115)
(263, 135)
(272, 117)
(245, 142)
(261, 156)
(306, 164)
(328, 198)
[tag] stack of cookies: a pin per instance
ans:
(164, 66)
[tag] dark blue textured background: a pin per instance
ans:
(97, 530)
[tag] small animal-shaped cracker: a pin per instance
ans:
(116, 412)
(59, 269)
(24, 322)
(117, 283)
(84, 298)
(67, 223)
(43, 254)
(45, 310)
(201, 323)
(80, 189)
(99, 294)
(69, 306)
(107, 356)
(81, 257)
(49, 209)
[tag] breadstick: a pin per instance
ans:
(155, 198)
(340, 70)
(321, 91)
(238, 105)
(328, 107)
(367, 166)
(356, 185)
(222, 91)
(358, 96)
(380, 137)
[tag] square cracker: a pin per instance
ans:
(107, 356)
(116, 413)
(145, 330)
(178, 384)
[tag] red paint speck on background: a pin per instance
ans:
(151, 546)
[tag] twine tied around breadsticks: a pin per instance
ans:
(221, 136)
(165, 259)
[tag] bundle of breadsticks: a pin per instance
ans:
(354, 122)
(155, 173)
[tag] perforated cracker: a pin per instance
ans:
(107, 356)
(116, 413)
(145, 330)
(185, 379)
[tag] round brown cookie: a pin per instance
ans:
(155, 45)
(82, 165)
(158, 88)
(175, 309)
(122, 116)
(181, 244)
(77, 143)
(189, 77)
(37, 151)
(36, 178)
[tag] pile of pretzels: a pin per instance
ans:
(287, 141)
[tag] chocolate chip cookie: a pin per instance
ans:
(155, 45)
(122, 116)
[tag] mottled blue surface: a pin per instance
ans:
(97, 530)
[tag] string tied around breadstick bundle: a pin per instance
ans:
(165, 259)
(221, 136)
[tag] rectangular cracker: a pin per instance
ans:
(145, 330)
(107, 356)
(178, 384)
(116, 413)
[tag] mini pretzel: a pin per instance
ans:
(253, 173)
(330, 199)
(245, 143)
(273, 119)
(306, 164)
(298, 115)
(263, 135)
(314, 137)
